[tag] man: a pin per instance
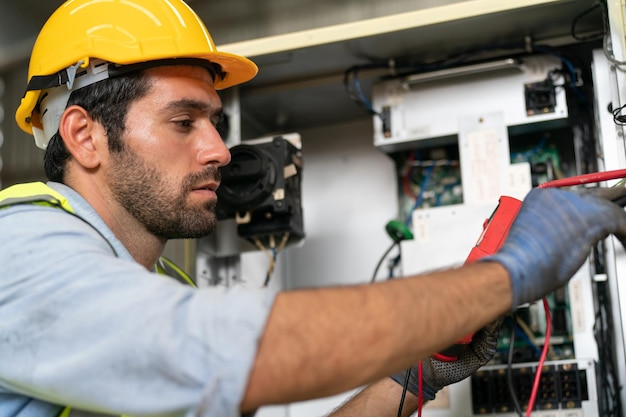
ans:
(122, 95)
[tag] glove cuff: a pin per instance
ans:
(511, 264)
(427, 392)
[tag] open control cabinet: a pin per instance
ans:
(461, 140)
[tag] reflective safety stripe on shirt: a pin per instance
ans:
(38, 193)
(33, 193)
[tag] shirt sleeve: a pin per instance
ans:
(84, 328)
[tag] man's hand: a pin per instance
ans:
(437, 374)
(553, 234)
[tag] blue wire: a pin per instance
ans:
(418, 200)
(526, 339)
(570, 68)
(364, 100)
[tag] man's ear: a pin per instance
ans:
(82, 135)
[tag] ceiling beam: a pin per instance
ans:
(377, 26)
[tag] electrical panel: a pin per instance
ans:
(564, 388)
(461, 138)
(470, 135)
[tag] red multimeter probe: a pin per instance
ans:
(495, 230)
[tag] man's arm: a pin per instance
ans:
(325, 341)
(380, 399)
(322, 342)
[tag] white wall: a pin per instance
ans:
(348, 194)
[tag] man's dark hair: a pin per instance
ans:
(107, 102)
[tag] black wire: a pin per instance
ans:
(618, 118)
(509, 370)
(354, 88)
(268, 276)
(348, 87)
(609, 400)
(382, 258)
(581, 16)
(411, 67)
(621, 201)
(405, 388)
(394, 262)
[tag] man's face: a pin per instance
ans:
(167, 174)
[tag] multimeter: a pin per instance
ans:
(493, 235)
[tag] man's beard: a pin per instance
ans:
(160, 206)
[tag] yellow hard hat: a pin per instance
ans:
(121, 32)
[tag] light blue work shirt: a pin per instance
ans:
(80, 326)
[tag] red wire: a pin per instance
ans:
(405, 178)
(407, 187)
(420, 398)
(585, 179)
(544, 353)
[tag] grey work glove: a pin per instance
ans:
(437, 374)
(553, 234)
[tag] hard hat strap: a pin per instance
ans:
(69, 74)
(214, 69)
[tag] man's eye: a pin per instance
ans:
(184, 123)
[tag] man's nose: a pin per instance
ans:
(213, 150)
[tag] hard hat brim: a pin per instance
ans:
(238, 69)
